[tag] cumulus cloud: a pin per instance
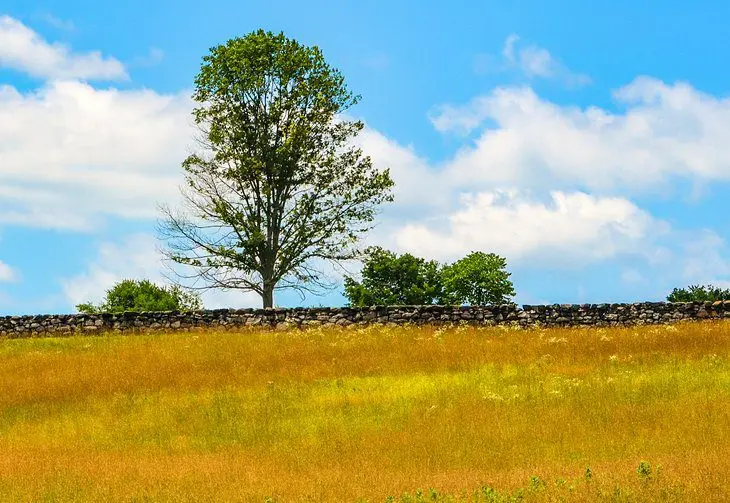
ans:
(664, 133)
(570, 229)
(412, 173)
(540, 179)
(539, 182)
(23, 49)
(71, 153)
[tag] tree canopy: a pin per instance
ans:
(277, 187)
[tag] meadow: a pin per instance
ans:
(369, 414)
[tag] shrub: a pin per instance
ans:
(143, 295)
(478, 279)
(699, 293)
(390, 279)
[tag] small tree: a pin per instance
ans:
(278, 185)
(699, 293)
(133, 295)
(478, 279)
(390, 279)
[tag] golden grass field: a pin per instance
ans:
(364, 414)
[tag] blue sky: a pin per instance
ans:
(586, 143)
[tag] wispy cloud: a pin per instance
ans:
(7, 273)
(530, 60)
(56, 22)
(377, 62)
(154, 57)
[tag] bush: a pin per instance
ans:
(143, 295)
(699, 293)
(478, 279)
(390, 279)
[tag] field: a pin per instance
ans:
(369, 414)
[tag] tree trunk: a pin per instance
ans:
(268, 295)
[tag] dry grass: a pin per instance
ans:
(361, 414)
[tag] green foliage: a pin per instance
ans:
(537, 484)
(279, 185)
(539, 489)
(478, 279)
(143, 295)
(699, 293)
(644, 471)
(390, 279)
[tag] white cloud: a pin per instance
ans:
(666, 132)
(71, 153)
(7, 273)
(571, 229)
(137, 257)
(412, 173)
(461, 119)
(23, 49)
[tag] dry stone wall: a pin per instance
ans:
(564, 315)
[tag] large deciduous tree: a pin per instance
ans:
(277, 187)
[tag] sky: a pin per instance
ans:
(586, 142)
